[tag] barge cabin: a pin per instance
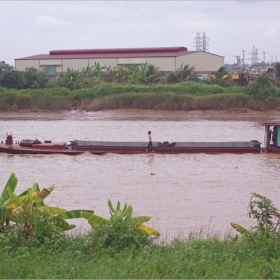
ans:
(271, 136)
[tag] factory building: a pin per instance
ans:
(167, 59)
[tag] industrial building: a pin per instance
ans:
(167, 59)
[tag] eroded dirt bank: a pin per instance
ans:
(132, 114)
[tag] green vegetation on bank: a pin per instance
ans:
(261, 95)
(137, 88)
(33, 244)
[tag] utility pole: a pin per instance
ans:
(243, 57)
(263, 57)
(238, 63)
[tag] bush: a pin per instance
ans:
(262, 88)
(117, 237)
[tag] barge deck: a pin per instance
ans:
(102, 147)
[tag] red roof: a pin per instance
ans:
(112, 53)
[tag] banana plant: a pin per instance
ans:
(12, 205)
(5, 213)
(119, 214)
(243, 231)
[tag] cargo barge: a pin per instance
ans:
(76, 147)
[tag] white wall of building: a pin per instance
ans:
(202, 61)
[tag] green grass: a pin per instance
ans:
(195, 257)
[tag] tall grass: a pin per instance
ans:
(16, 100)
(183, 96)
(191, 258)
(169, 101)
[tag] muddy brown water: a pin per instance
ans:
(183, 193)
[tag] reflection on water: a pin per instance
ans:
(181, 192)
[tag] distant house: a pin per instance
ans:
(167, 59)
(257, 70)
(2, 63)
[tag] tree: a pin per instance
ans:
(222, 78)
(152, 74)
(184, 73)
(71, 79)
(32, 78)
(277, 74)
(10, 78)
(262, 88)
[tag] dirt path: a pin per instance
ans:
(132, 114)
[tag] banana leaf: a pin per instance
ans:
(94, 220)
(11, 184)
(149, 230)
(14, 198)
(129, 212)
(73, 214)
(43, 194)
(51, 210)
(118, 207)
(243, 231)
(240, 229)
(28, 197)
(140, 219)
(111, 206)
(36, 187)
(62, 224)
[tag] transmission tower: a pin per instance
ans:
(201, 43)
(197, 42)
(254, 58)
(204, 42)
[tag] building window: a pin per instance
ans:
(51, 70)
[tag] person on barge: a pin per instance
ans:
(150, 145)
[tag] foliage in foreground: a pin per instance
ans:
(25, 218)
(117, 248)
(267, 215)
(197, 256)
(120, 232)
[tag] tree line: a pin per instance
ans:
(144, 74)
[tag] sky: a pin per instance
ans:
(233, 28)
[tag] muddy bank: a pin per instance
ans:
(132, 114)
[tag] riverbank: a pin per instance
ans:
(137, 114)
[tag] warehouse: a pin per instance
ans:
(167, 59)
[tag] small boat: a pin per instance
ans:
(76, 147)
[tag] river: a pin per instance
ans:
(183, 193)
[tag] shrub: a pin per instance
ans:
(262, 88)
(117, 237)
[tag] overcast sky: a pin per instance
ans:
(36, 27)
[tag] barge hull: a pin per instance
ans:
(100, 148)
